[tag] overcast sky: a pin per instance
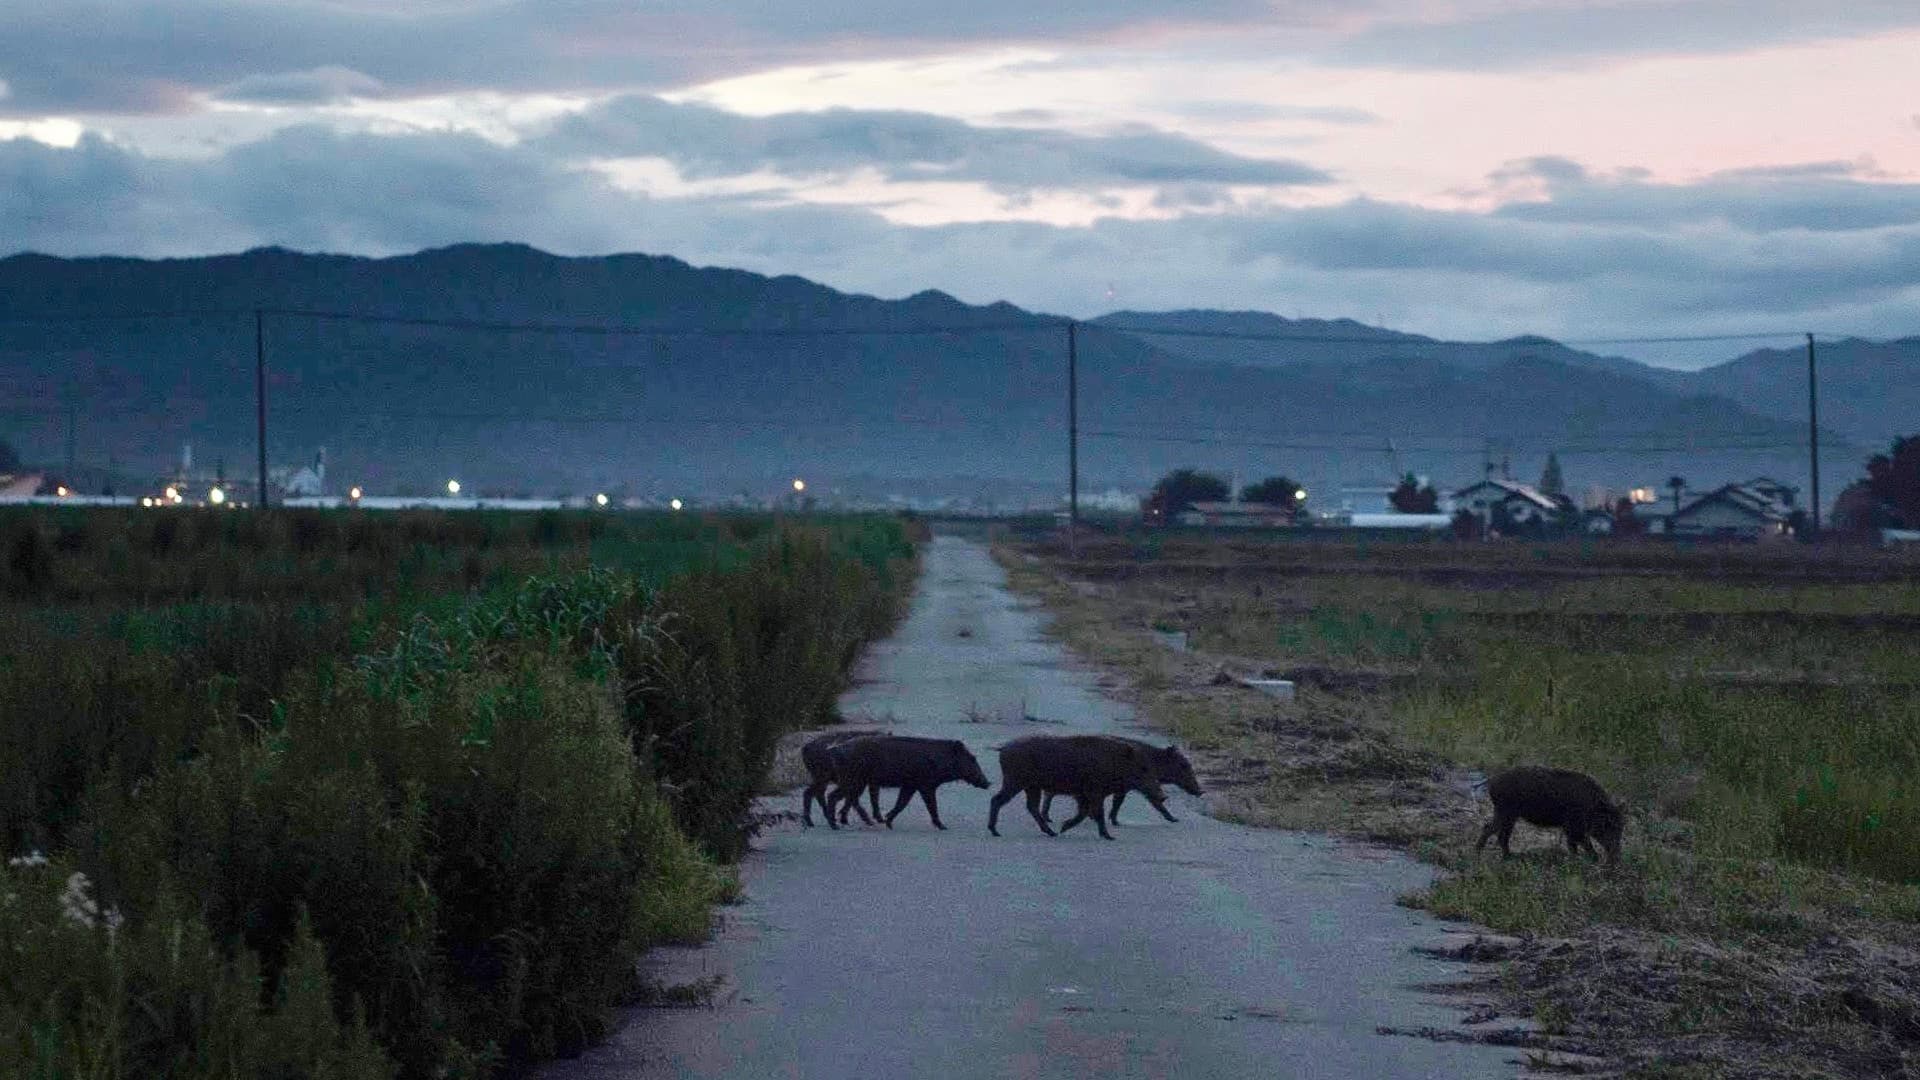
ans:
(1467, 168)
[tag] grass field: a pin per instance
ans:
(1755, 706)
(360, 795)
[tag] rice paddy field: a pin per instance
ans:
(345, 794)
(1755, 706)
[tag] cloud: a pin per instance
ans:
(1257, 110)
(1632, 257)
(1535, 36)
(109, 56)
(326, 85)
(704, 142)
(1816, 197)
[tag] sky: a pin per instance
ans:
(1464, 168)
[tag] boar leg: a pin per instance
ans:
(1000, 799)
(1082, 814)
(815, 793)
(899, 804)
(852, 805)
(1046, 807)
(1113, 815)
(873, 792)
(833, 811)
(1033, 807)
(1158, 804)
(933, 806)
(1502, 825)
(1578, 841)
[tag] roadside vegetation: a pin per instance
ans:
(361, 795)
(1755, 706)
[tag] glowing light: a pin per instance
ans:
(675, 504)
(453, 487)
(799, 484)
(146, 500)
(353, 493)
(1300, 495)
(216, 496)
(62, 491)
(600, 499)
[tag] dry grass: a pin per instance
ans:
(1755, 705)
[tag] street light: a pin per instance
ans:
(799, 484)
(62, 491)
(453, 487)
(354, 494)
(600, 499)
(675, 504)
(1300, 495)
(216, 496)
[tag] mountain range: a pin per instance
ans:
(516, 370)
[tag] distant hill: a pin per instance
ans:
(750, 380)
(1338, 341)
(1869, 391)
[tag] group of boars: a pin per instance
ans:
(1091, 768)
(843, 765)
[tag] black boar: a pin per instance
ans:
(820, 771)
(1554, 799)
(1088, 767)
(1169, 765)
(916, 766)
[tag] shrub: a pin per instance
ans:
(157, 997)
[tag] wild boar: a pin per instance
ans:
(1554, 799)
(914, 765)
(1169, 765)
(820, 771)
(1088, 767)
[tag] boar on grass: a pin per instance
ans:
(1554, 799)
(1088, 767)
(1169, 765)
(820, 773)
(914, 765)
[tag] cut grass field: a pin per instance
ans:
(358, 795)
(1755, 707)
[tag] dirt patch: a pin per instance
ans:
(1322, 761)
(1619, 1002)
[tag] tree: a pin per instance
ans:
(1551, 482)
(1625, 521)
(1894, 480)
(1180, 489)
(9, 458)
(1278, 490)
(1678, 484)
(1411, 498)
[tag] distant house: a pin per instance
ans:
(20, 486)
(1367, 498)
(1597, 522)
(1242, 515)
(1784, 494)
(1747, 511)
(1518, 505)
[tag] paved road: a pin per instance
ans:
(1197, 949)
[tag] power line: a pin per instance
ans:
(1038, 323)
(1380, 446)
(125, 316)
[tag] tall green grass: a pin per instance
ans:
(453, 815)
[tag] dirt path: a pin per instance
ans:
(1179, 950)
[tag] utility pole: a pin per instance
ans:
(260, 396)
(1813, 433)
(1073, 439)
(73, 409)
